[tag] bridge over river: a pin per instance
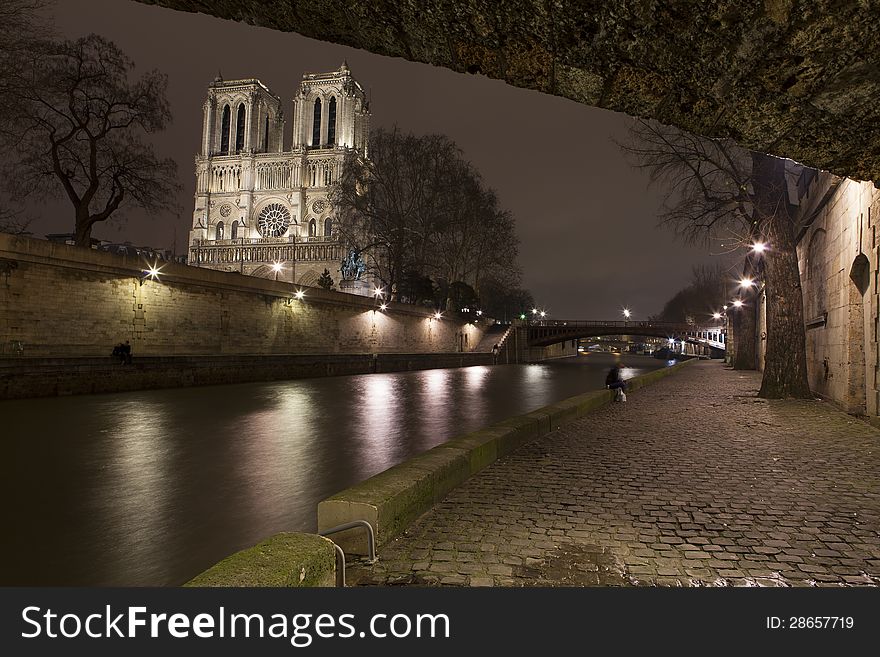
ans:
(526, 336)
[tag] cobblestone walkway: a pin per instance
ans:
(692, 482)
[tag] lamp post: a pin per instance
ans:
(277, 267)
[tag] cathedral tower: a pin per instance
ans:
(263, 210)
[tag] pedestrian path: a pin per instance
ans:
(692, 482)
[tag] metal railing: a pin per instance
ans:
(340, 555)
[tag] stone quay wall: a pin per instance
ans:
(61, 301)
(22, 378)
(62, 309)
(838, 260)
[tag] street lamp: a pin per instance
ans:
(299, 295)
(746, 282)
(277, 267)
(759, 247)
(626, 313)
(378, 292)
(738, 303)
(151, 273)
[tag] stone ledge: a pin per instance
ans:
(22, 378)
(392, 500)
(283, 560)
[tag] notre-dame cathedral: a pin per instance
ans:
(261, 207)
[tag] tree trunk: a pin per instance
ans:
(743, 320)
(785, 362)
(83, 234)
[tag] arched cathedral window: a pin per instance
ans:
(313, 228)
(239, 129)
(316, 125)
(224, 132)
(331, 122)
(266, 136)
(218, 235)
(234, 234)
(328, 228)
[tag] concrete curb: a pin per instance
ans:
(283, 560)
(392, 500)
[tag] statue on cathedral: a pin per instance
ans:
(353, 266)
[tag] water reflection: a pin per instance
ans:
(377, 423)
(132, 485)
(152, 487)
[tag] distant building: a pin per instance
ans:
(70, 238)
(148, 253)
(259, 204)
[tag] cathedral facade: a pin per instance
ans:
(261, 205)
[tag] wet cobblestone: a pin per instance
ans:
(694, 481)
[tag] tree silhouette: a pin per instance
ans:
(416, 209)
(77, 129)
(325, 280)
(720, 193)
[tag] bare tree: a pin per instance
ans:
(720, 193)
(379, 204)
(23, 29)
(418, 211)
(694, 303)
(77, 130)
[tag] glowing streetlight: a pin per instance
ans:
(534, 311)
(626, 313)
(543, 314)
(299, 295)
(384, 306)
(716, 315)
(738, 303)
(759, 247)
(438, 315)
(522, 315)
(277, 267)
(479, 312)
(151, 273)
(378, 292)
(746, 282)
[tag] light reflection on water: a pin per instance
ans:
(152, 487)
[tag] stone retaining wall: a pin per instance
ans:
(62, 301)
(49, 377)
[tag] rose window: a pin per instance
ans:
(319, 206)
(274, 220)
(225, 210)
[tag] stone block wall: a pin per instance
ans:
(61, 301)
(838, 259)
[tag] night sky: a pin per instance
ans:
(585, 218)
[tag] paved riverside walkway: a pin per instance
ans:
(694, 481)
